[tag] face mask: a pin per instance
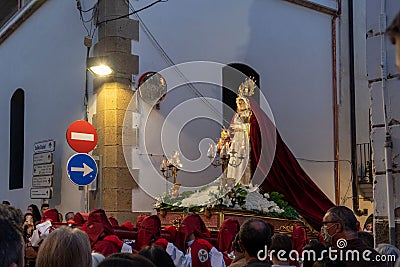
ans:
(326, 236)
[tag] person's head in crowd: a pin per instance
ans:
(367, 238)
(60, 217)
(280, 248)
(11, 239)
(148, 231)
(394, 34)
(6, 202)
(69, 216)
(65, 247)
(157, 255)
(191, 227)
(44, 207)
(28, 225)
(387, 249)
(329, 263)
(37, 217)
(126, 260)
(339, 222)
(236, 245)
(51, 215)
(254, 236)
(312, 252)
(368, 225)
(97, 258)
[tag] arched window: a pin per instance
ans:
(231, 79)
(17, 140)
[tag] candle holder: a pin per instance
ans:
(170, 167)
(225, 153)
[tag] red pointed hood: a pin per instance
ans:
(191, 224)
(148, 231)
(80, 217)
(97, 225)
(227, 232)
(139, 219)
(50, 214)
(299, 238)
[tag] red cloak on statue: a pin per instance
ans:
(285, 174)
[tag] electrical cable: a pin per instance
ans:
(90, 32)
(134, 12)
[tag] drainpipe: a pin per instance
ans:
(353, 127)
(335, 115)
(388, 139)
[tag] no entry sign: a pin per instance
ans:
(82, 136)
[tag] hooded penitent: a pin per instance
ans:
(80, 217)
(299, 238)
(227, 232)
(98, 224)
(191, 224)
(50, 214)
(148, 231)
(139, 219)
(172, 232)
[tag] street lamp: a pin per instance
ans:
(99, 66)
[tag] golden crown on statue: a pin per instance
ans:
(246, 88)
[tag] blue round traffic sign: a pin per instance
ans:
(82, 169)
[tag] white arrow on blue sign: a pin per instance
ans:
(82, 169)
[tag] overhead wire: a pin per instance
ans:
(134, 12)
(90, 32)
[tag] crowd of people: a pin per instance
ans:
(42, 239)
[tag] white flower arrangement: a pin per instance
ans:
(239, 197)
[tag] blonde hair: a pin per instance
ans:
(65, 247)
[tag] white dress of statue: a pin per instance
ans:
(240, 142)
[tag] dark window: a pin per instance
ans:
(17, 114)
(7, 9)
(231, 80)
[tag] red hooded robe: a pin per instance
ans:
(200, 248)
(227, 232)
(285, 174)
(101, 234)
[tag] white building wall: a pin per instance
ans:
(45, 57)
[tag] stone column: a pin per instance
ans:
(113, 96)
(381, 224)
